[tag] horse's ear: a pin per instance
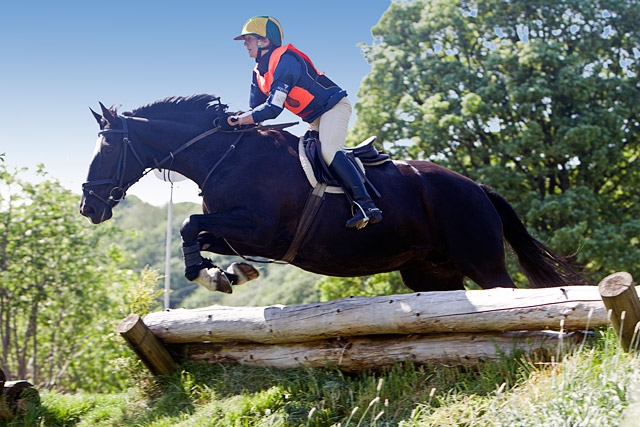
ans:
(107, 114)
(97, 116)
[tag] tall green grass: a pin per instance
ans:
(592, 386)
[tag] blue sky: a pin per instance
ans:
(60, 58)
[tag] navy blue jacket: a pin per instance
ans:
(292, 70)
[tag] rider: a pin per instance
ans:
(284, 77)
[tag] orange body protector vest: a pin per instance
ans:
(298, 98)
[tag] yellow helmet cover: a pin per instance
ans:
(264, 26)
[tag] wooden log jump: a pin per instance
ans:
(355, 354)
(425, 312)
(359, 333)
(146, 345)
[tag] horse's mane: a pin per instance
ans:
(201, 108)
(181, 104)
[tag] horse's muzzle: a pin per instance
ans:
(94, 214)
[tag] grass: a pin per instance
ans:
(593, 386)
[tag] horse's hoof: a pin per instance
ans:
(242, 271)
(214, 279)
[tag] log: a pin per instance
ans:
(578, 307)
(375, 352)
(15, 397)
(5, 411)
(149, 349)
(620, 297)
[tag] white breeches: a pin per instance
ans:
(332, 127)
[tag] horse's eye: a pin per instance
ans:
(106, 149)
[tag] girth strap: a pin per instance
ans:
(311, 208)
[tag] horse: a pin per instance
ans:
(438, 228)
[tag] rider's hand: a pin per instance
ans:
(233, 121)
(225, 123)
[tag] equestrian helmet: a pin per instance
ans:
(263, 26)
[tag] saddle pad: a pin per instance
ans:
(308, 169)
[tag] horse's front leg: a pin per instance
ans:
(202, 270)
(206, 273)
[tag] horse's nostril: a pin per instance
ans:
(86, 210)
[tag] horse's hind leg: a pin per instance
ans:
(423, 278)
(492, 277)
(485, 267)
(477, 252)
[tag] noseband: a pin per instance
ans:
(120, 188)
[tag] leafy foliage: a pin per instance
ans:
(63, 283)
(540, 100)
(380, 284)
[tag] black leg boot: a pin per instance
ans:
(351, 182)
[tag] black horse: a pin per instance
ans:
(438, 226)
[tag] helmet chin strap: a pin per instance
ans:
(261, 49)
(259, 55)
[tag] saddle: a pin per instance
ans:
(365, 154)
(321, 180)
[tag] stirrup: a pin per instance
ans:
(357, 222)
(360, 219)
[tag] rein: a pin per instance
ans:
(186, 145)
(226, 153)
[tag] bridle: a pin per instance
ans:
(118, 192)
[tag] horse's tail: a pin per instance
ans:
(542, 266)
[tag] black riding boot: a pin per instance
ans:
(346, 173)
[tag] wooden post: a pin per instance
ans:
(146, 345)
(620, 297)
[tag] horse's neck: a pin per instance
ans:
(176, 145)
(164, 142)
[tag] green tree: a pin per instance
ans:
(538, 99)
(63, 288)
(332, 288)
